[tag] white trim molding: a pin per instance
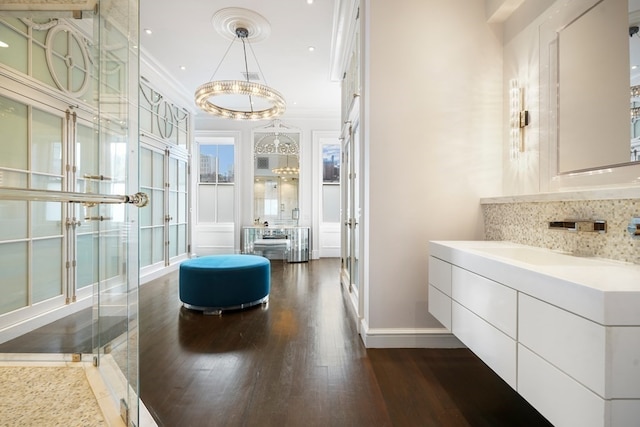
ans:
(408, 337)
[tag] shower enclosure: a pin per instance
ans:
(69, 199)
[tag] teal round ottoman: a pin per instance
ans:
(224, 282)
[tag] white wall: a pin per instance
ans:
(433, 137)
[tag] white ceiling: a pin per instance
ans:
(183, 36)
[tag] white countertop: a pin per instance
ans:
(602, 290)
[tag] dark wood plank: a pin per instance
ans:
(297, 362)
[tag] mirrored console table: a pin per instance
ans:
(285, 243)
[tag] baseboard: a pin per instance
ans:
(43, 319)
(408, 338)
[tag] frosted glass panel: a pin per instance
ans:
(158, 170)
(13, 179)
(173, 241)
(157, 205)
(145, 167)
(206, 206)
(46, 269)
(13, 128)
(225, 203)
(13, 264)
(46, 219)
(182, 176)
(173, 207)
(15, 56)
(46, 143)
(145, 217)
(145, 247)
(14, 220)
(158, 244)
(87, 265)
(182, 207)
(44, 182)
(110, 257)
(173, 174)
(182, 239)
(86, 151)
(40, 68)
(331, 203)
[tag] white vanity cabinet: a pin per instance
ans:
(547, 324)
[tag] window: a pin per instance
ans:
(216, 190)
(330, 182)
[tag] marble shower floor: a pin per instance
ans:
(47, 390)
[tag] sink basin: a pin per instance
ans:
(537, 256)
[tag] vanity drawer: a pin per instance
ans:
(562, 400)
(495, 348)
(440, 306)
(440, 275)
(605, 359)
(495, 303)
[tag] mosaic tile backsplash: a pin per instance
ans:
(528, 223)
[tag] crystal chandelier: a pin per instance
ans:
(210, 90)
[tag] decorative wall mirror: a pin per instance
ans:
(276, 152)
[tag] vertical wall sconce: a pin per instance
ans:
(519, 118)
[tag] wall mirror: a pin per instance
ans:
(594, 60)
(276, 152)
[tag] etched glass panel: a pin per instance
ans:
(47, 271)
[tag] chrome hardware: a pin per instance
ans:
(96, 177)
(97, 218)
(584, 225)
(634, 228)
(8, 193)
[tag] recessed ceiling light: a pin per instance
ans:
(309, 1)
(3, 44)
(148, 30)
(182, 67)
(633, 67)
(311, 49)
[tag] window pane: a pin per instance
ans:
(158, 170)
(14, 220)
(46, 219)
(206, 203)
(13, 128)
(158, 244)
(47, 269)
(331, 163)
(87, 252)
(225, 203)
(208, 163)
(225, 163)
(145, 247)
(145, 168)
(13, 280)
(15, 56)
(331, 203)
(46, 143)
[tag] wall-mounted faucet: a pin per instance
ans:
(587, 225)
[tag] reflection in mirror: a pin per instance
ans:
(276, 150)
(634, 56)
(593, 88)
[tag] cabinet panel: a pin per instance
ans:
(440, 306)
(571, 343)
(490, 300)
(495, 348)
(440, 275)
(563, 401)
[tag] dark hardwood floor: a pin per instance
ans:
(300, 362)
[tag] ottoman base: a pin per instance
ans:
(218, 310)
